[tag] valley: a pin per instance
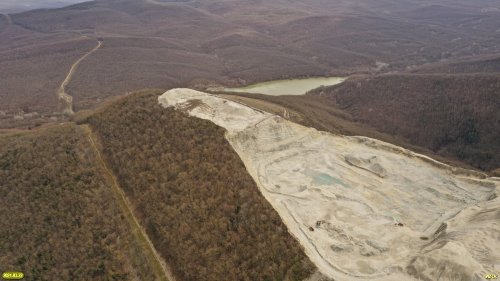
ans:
(288, 87)
(250, 140)
(225, 44)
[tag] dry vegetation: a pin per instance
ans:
(192, 193)
(455, 116)
(31, 75)
(190, 190)
(186, 43)
(59, 219)
(154, 63)
(488, 64)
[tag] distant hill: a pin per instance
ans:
(16, 6)
(164, 44)
(489, 64)
(424, 75)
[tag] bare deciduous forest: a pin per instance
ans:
(203, 212)
(420, 74)
(455, 116)
(147, 44)
(58, 217)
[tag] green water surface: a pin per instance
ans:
(288, 87)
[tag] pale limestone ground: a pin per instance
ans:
(362, 209)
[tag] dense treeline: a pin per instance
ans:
(58, 217)
(479, 65)
(202, 210)
(456, 116)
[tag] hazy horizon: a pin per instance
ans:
(17, 6)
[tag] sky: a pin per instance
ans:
(14, 6)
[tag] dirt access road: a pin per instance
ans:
(162, 271)
(65, 100)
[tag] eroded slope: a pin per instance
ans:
(363, 209)
(456, 116)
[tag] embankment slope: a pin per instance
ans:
(361, 208)
(456, 116)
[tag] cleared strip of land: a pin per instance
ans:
(161, 270)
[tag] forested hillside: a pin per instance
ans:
(203, 212)
(198, 43)
(456, 116)
(59, 219)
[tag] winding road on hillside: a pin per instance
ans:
(156, 262)
(66, 101)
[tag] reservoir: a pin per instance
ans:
(288, 87)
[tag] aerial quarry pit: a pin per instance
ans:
(362, 209)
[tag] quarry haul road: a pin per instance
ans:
(161, 269)
(64, 98)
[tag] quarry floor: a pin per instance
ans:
(362, 208)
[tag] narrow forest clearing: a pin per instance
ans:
(161, 269)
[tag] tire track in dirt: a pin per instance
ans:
(65, 100)
(161, 269)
